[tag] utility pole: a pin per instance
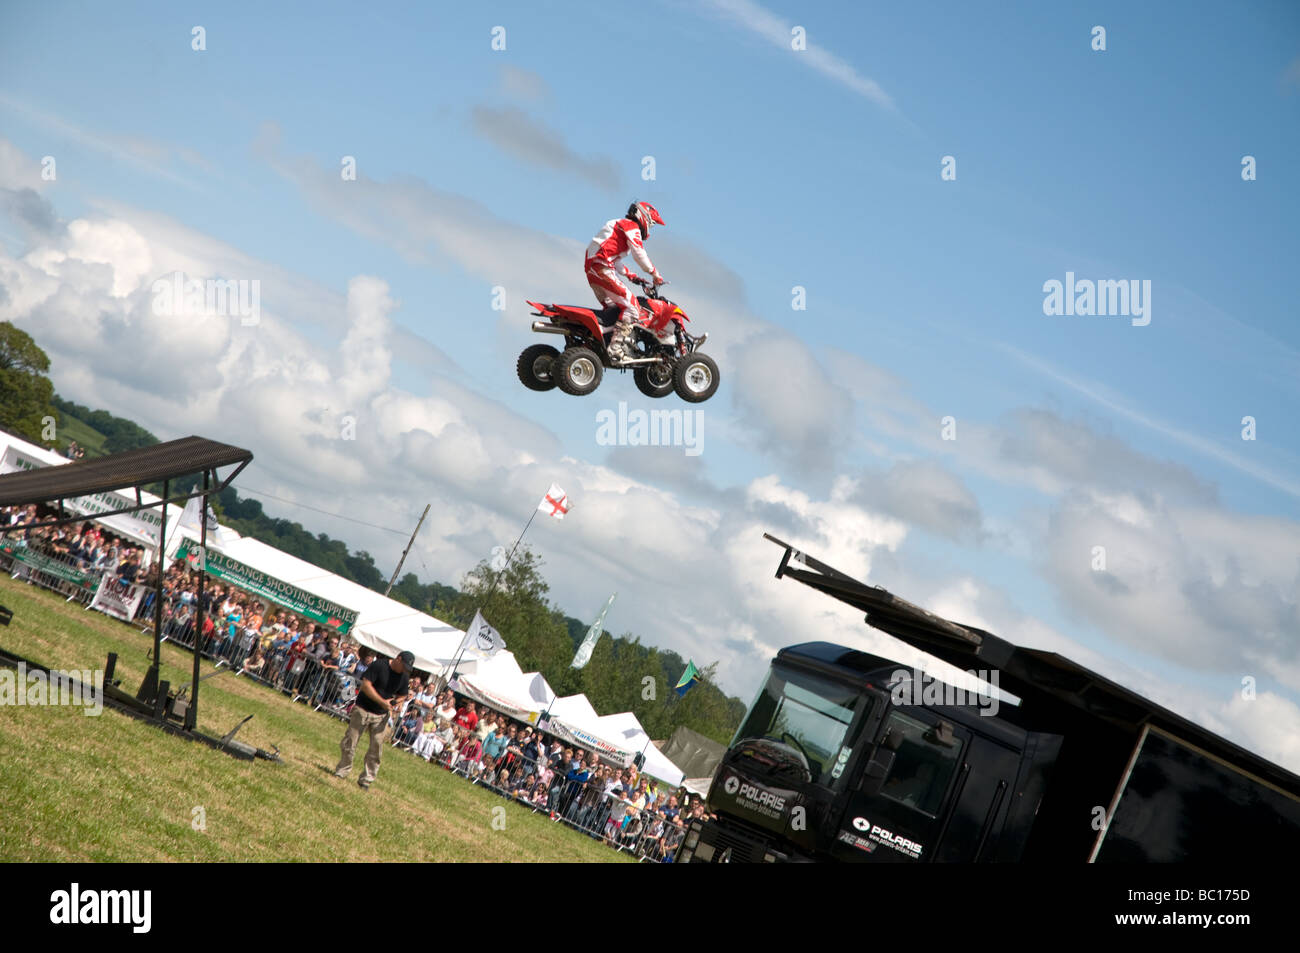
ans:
(407, 549)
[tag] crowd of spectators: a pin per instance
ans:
(313, 664)
(86, 547)
(616, 805)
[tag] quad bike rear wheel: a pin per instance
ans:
(654, 380)
(578, 371)
(535, 366)
(695, 377)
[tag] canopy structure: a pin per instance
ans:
(90, 489)
(131, 469)
(142, 527)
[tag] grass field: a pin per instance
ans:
(113, 788)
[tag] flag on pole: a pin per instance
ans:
(583, 655)
(482, 637)
(688, 679)
(190, 520)
(555, 502)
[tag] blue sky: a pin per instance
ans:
(775, 168)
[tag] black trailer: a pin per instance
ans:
(846, 756)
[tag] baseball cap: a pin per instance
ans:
(407, 659)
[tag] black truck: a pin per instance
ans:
(846, 756)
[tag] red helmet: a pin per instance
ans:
(643, 213)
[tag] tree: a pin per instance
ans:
(514, 603)
(26, 393)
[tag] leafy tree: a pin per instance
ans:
(26, 393)
(514, 603)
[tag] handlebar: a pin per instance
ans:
(645, 283)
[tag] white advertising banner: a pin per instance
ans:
(576, 736)
(112, 599)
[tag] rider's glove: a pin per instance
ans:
(660, 279)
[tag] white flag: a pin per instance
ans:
(190, 520)
(482, 637)
(555, 502)
(583, 655)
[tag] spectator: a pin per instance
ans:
(672, 839)
(255, 662)
(411, 727)
(494, 746)
(467, 717)
(471, 755)
(447, 708)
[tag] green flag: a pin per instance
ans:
(689, 678)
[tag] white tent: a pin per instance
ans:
(624, 730)
(499, 683)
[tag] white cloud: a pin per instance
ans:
(762, 22)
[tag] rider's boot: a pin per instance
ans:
(620, 342)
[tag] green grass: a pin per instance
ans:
(114, 788)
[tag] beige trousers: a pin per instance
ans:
(360, 722)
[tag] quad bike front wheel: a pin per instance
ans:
(654, 380)
(695, 377)
(578, 371)
(535, 366)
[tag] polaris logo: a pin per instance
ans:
(750, 793)
(731, 785)
(889, 839)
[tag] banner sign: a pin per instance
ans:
(576, 736)
(112, 599)
(304, 603)
(143, 524)
(40, 562)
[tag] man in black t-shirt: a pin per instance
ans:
(382, 682)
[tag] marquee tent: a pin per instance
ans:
(625, 731)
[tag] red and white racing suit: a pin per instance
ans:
(618, 237)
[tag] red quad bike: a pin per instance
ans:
(663, 356)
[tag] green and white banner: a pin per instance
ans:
(304, 603)
(39, 562)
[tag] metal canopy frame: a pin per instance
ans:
(1044, 678)
(132, 469)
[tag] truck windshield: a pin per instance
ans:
(814, 720)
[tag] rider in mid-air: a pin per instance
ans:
(618, 237)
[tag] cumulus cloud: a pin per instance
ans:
(1192, 584)
(924, 494)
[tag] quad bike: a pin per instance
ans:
(662, 355)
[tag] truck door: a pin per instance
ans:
(944, 798)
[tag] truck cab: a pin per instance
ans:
(827, 766)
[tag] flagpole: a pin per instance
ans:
(495, 581)
(511, 555)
